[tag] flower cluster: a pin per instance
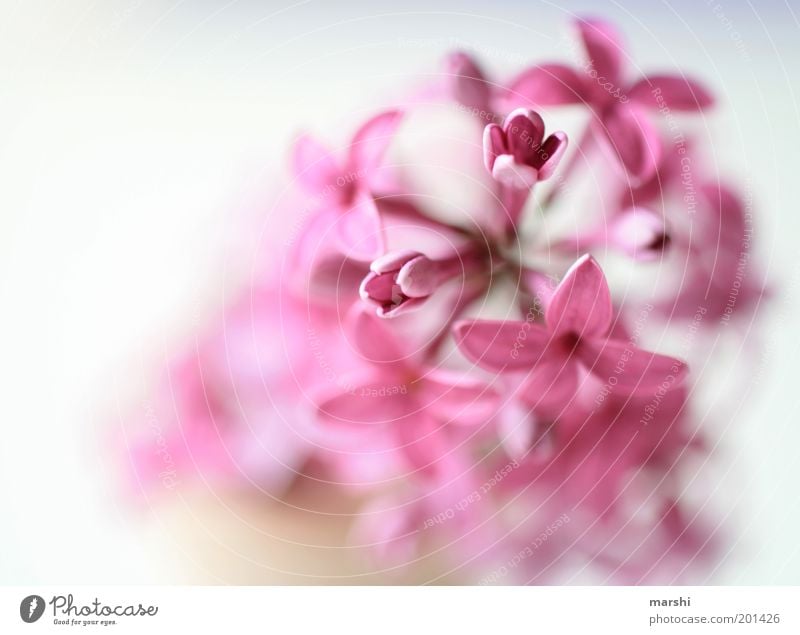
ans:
(470, 371)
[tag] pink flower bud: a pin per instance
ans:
(399, 281)
(517, 153)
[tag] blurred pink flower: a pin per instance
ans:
(393, 389)
(345, 186)
(617, 104)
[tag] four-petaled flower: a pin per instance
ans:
(343, 189)
(576, 337)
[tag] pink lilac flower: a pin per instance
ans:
(210, 417)
(517, 153)
(343, 186)
(638, 232)
(617, 104)
(467, 438)
(401, 281)
(574, 339)
(722, 274)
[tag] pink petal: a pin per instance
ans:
(624, 367)
(540, 285)
(726, 212)
(371, 403)
(359, 229)
(419, 277)
(524, 130)
(517, 175)
(468, 81)
(452, 398)
(547, 85)
(496, 345)
(671, 91)
(380, 288)
(371, 141)
(552, 152)
(332, 277)
(314, 166)
(552, 384)
(604, 48)
(371, 337)
(397, 309)
(494, 144)
(581, 303)
(632, 140)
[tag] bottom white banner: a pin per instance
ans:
(388, 610)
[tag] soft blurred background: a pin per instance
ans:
(139, 137)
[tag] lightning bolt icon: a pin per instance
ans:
(32, 607)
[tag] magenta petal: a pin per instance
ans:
(468, 81)
(359, 229)
(494, 144)
(633, 140)
(671, 91)
(622, 366)
(313, 165)
(581, 303)
(547, 85)
(379, 288)
(371, 141)
(371, 338)
(540, 285)
(604, 48)
(726, 215)
(453, 398)
(498, 346)
(552, 152)
(397, 309)
(524, 130)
